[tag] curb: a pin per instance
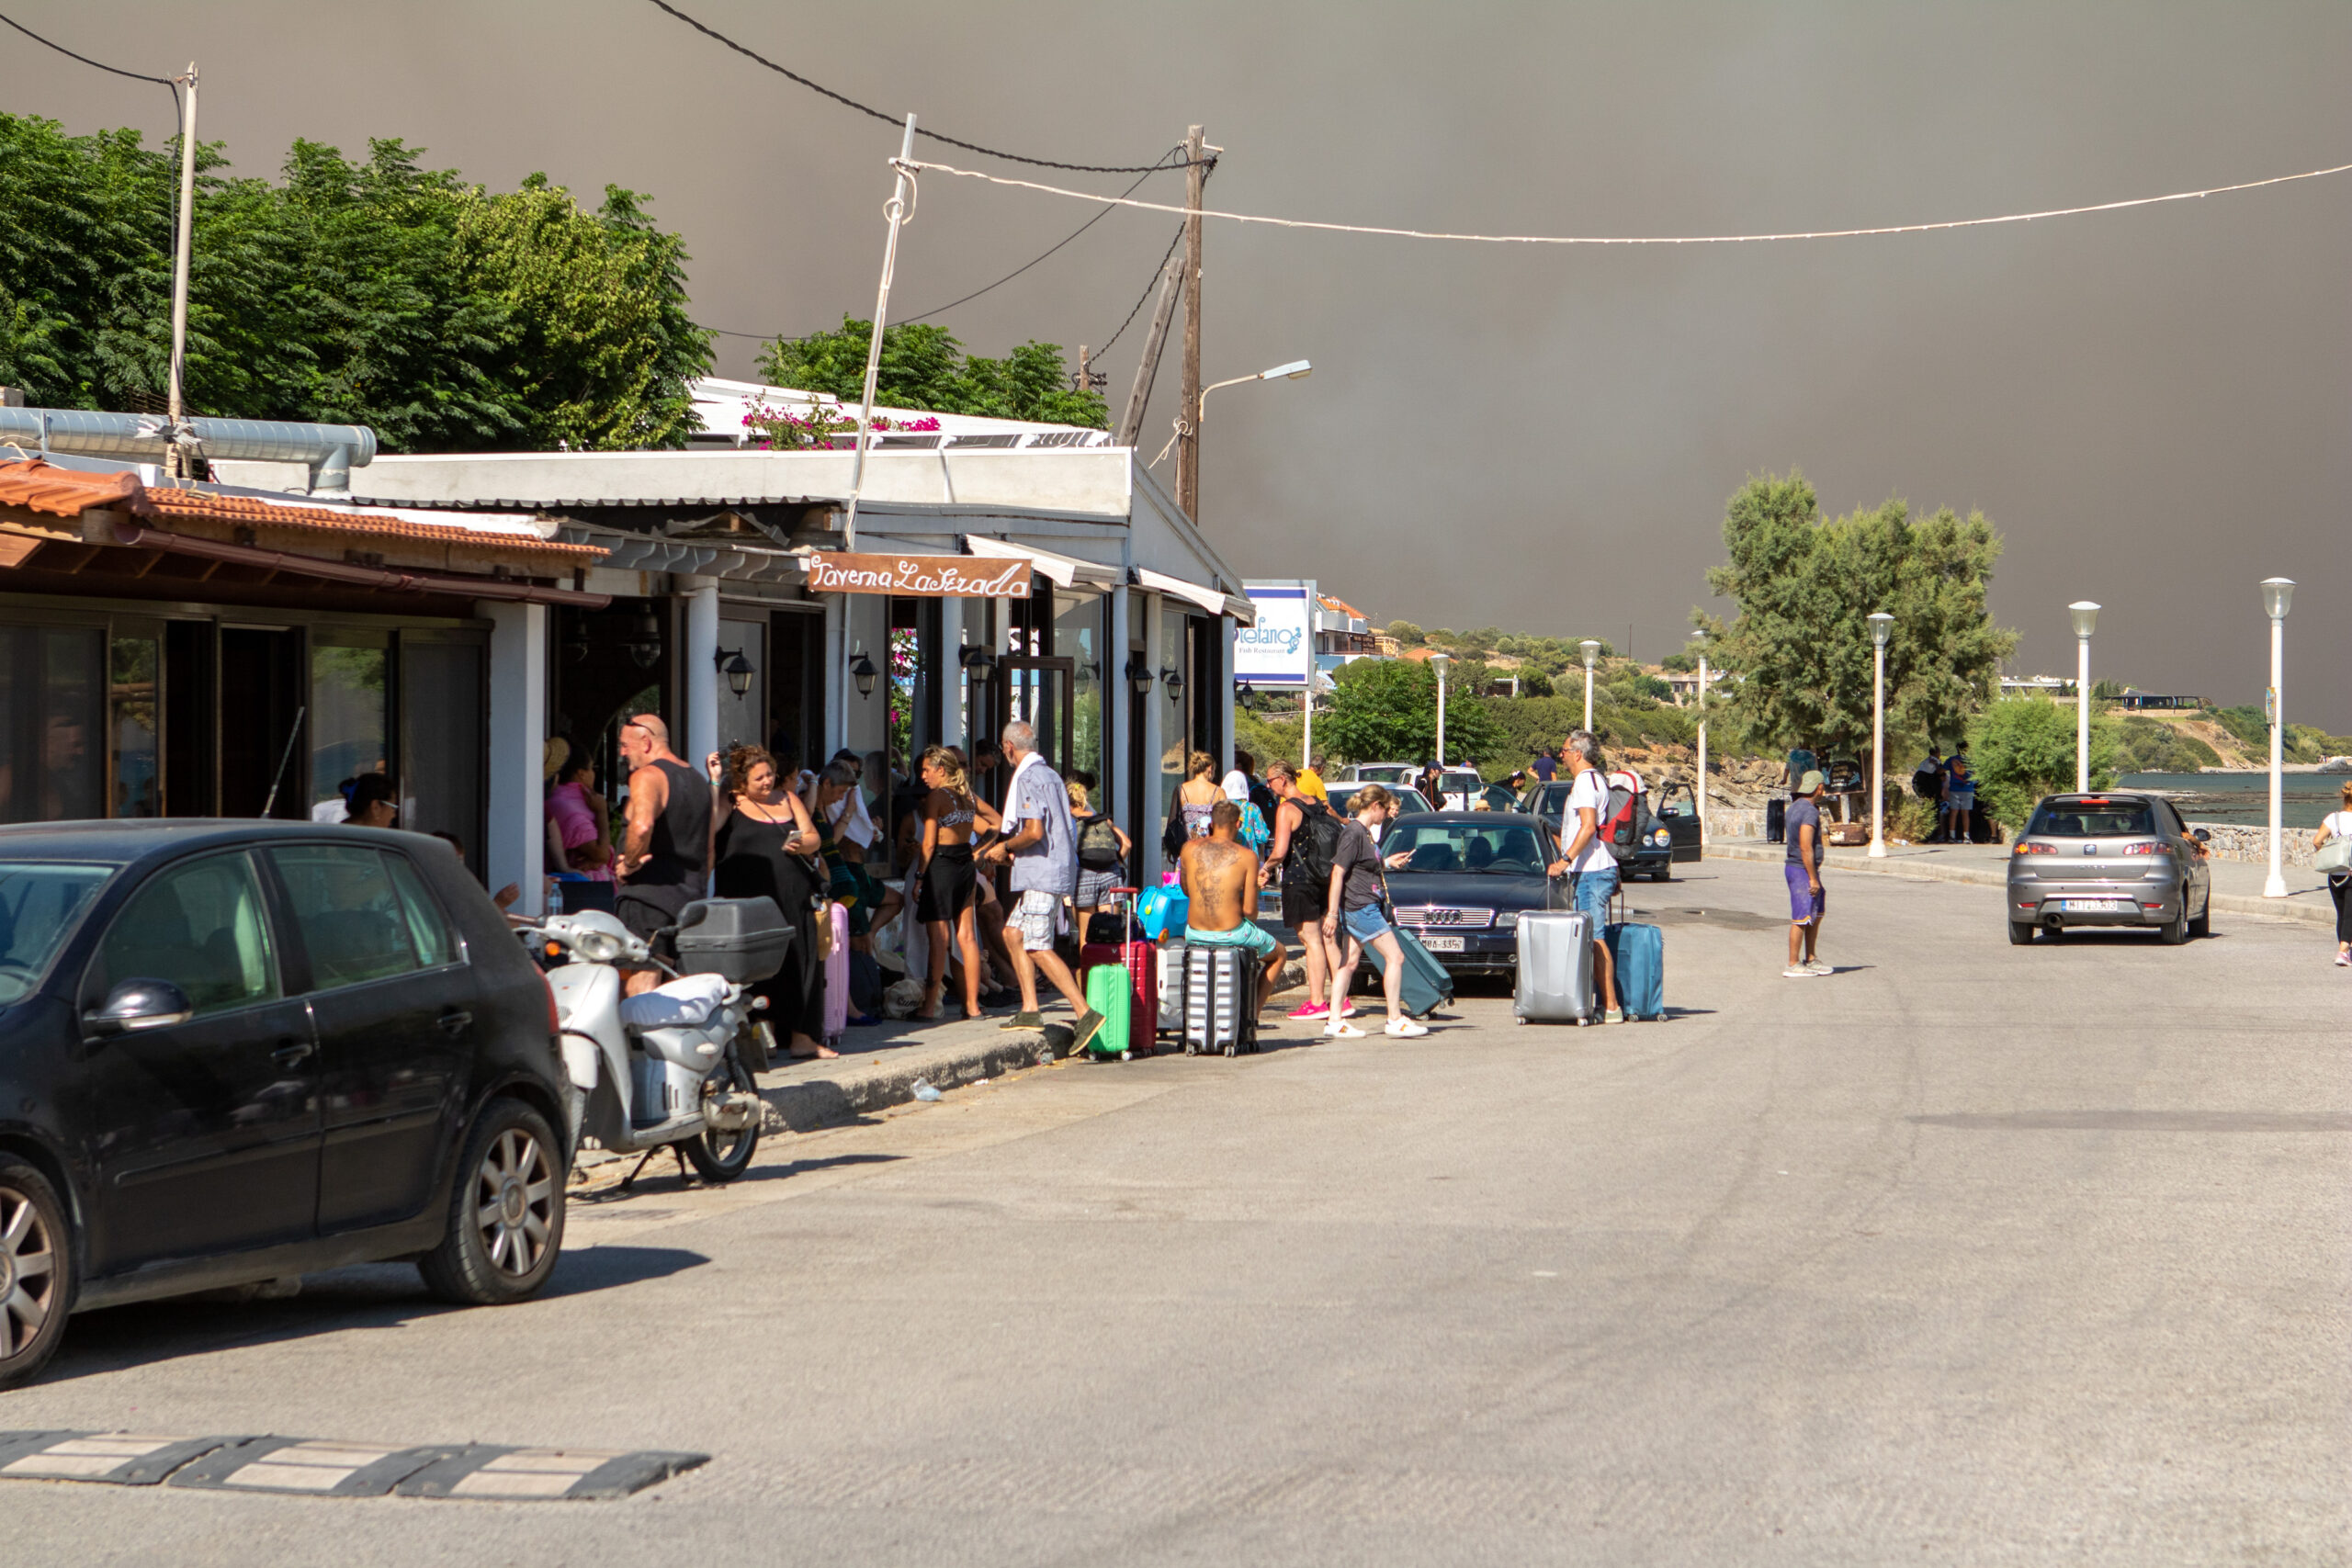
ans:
(2232, 902)
(855, 1087)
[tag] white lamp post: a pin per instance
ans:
(1701, 637)
(1441, 663)
(2276, 592)
(1882, 627)
(1591, 651)
(2085, 616)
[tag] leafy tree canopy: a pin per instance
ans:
(2023, 748)
(925, 366)
(1800, 637)
(1385, 710)
(376, 293)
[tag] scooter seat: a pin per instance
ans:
(680, 1004)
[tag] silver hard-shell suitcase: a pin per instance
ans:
(1220, 1001)
(1555, 968)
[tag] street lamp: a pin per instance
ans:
(1139, 675)
(1700, 639)
(736, 668)
(2276, 592)
(2085, 616)
(862, 671)
(1592, 652)
(1296, 371)
(1882, 627)
(1441, 663)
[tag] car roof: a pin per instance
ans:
(1476, 818)
(2102, 797)
(123, 842)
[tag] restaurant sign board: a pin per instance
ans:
(921, 577)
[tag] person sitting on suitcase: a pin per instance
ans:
(1220, 878)
(1354, 910)
(1586, 861)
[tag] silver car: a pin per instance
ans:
(2109, 860)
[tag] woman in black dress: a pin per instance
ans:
(943, 867)
(763, 839)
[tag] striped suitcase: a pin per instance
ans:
(1220, 1001)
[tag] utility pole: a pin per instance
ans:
(177, 455)
(1148, 367)
(1188, 426)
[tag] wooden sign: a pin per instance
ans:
(921, 577)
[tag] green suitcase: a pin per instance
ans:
(1110, 991)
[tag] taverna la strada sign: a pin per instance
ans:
(921, 577)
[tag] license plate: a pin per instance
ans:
(1443, 943)
(2092, 906)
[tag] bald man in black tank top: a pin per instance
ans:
(665, 854)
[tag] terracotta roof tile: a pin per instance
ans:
(254, 511)
(61, 493)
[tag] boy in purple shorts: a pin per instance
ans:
(1804, 870)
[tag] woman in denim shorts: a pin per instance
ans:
(1355, 908)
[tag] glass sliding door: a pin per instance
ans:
(350, 719)
(51, 755)
(134, 712)
(441, 735)
(1077, 637)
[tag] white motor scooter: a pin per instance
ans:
(671, 1066)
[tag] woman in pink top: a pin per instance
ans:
(577, 836)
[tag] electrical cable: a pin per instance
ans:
(1647, 239)
(117, 70)
(843, 98)
(1148, 289)
(1017, 271)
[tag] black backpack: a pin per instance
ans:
(1317, 843)
(1098, 844)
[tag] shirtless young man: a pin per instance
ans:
(1220, 878)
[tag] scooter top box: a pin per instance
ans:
(743, 940)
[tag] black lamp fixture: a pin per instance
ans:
(862, 671)
(1139, 675)
(575, 638)
(1174, 680)
(976, 659)
(735, 667)
(644, 641)
(1246, 692)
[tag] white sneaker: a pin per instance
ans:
(1343, 1031)
(2344, 961)
(1404, 1029)
(1818, 968)
(1797, 971)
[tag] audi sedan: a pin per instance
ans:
(2109, 860)
(233, 1052)
(1460, 880)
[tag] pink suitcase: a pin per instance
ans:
(837, 976)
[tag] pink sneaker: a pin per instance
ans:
(1312, 1010)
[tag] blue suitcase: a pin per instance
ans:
(1428, 985)
(1638, 953)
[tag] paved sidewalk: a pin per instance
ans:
(2237, 884)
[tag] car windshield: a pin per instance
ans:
(1508, 847)
(1408, 800)
(2092, 818)
(40, 903)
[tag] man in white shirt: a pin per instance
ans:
(1586, 860)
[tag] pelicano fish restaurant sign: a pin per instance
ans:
(921, 577)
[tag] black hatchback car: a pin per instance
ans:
(235, 1051)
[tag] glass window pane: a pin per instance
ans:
(347, 730)
(1077, 637)
(50, 690)
(441, 750)
(428, 927)
(351, 919)
(132, 692)
(39, 907)
(201, 926)
(1175, 741)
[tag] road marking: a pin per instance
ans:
(323, 1467)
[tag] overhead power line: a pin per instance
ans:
(1644, 239)
(848, 102)
(1073, 234)
(100, 64)
(1148, 290)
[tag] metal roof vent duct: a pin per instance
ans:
(329, 451)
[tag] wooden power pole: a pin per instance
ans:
(1188, 435)
(1148, 367)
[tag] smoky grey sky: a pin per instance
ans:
(2150, 405)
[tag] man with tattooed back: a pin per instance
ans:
(1220, 878)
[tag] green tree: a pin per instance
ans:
(2021, 749)
(925, 366)
(1406, 634)
(1804, 587)
(1385, 710)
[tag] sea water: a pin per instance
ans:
(2244, 797)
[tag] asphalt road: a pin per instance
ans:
(1962, 1255)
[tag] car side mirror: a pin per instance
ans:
(2201, 836)
(138, 1004)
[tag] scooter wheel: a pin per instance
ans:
(723, 1156)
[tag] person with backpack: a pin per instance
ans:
(1588, 861)
(1306, 838)
(1103, 850)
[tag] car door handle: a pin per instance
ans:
(291, 1052)
(455, 1023)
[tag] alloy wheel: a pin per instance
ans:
(28, 1272)
(514, 1201)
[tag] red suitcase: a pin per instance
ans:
(1142, 961)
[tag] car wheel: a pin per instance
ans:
(723, 1156)
(2202, 926)
(36, 1270)
(2020, 933)
(506, 1212)
(2175, 931)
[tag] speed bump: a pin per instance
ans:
(324, 1468)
